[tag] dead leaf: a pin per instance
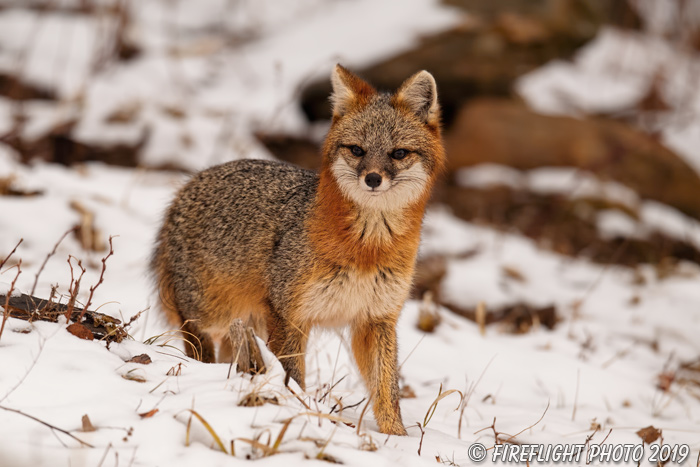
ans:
(80, 331)
(143, 359)
(87, 424)
(649, 434)
(665, 379)
(148, 414)
(407, 392)
(131, 376)
(255, 399)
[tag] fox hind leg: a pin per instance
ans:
(287, 340)
(198, 344)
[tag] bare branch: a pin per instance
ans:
(101, 280)
(6, 312)
(74, 287)
(47, 425)
(11, 253)
(46, 260)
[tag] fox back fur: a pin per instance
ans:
(289, 249)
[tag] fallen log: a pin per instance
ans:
(30, 308)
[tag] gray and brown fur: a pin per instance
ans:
(289, 249)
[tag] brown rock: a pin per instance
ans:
(504, 132)
(519, 29)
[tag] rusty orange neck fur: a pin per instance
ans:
(338, 230)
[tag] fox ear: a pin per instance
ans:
(348, 89)
(419, 94)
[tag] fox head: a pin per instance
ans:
(384, 151)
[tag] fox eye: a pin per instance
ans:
(399, 154)
(357, 151)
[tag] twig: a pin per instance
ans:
(46, 260)
(6, 312)
(422, 433)
(21, 380)
(102, 278)
(353, 405)
(104, 456)
(594, 285)
(73, 288)
(335, 366)
(134, 318)
(411, 352)
(298, 397)
(11, 253)
(46, 424)
(589, 438)
(578, 378)
(362, 414)
(331, 388)
(468, 396)
(495, 433)
(527, 427)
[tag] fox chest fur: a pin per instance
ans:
(363, 262)
(342, 295)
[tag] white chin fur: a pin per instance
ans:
(406, 188)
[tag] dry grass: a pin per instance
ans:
(441, 395)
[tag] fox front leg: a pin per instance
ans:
(375, 348)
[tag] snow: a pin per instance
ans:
(577, 183)
(6, 287)
(616, 224)
(570, 181)
(619, 328)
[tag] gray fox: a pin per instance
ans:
(289, 249)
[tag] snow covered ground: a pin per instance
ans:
(598, 368)
(609, 368)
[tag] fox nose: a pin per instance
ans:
(373, 180)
